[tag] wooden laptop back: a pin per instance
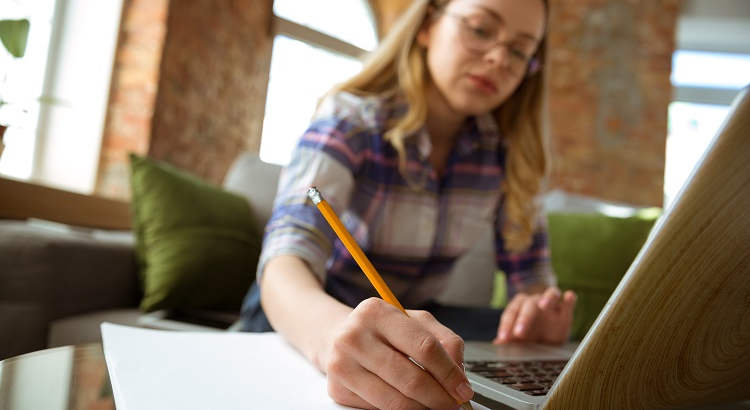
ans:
(676, 332)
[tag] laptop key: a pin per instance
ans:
(526, 376)
(527, 386)
(500, 373)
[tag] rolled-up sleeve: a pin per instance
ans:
(327, 157)
(530, 267)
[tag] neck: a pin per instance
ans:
(443, 122)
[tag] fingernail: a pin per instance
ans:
(503, 335)
(465, 393)
(519, 329)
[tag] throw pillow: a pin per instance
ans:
(197, 245)
(590, 253)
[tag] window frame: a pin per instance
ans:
(284, 27)
(291, 29)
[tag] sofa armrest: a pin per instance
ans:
(50, 273)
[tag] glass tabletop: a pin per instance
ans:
(70, 377)
(76, 378)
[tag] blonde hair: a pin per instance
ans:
(398, 65)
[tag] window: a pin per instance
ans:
(318, 44)
(705, 83)
(692, 126)
(706, 69)
(64, 78)
(21, 82)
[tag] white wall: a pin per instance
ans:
(715, 25)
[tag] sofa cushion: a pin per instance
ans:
(49, 271)
(197, 245)
(255, 180)
(590, 253)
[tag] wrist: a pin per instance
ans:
(319, 354)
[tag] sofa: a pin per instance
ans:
(59, 282)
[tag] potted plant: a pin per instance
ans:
(13, 34)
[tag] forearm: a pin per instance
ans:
(297, 306)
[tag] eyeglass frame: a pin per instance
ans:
(533, 64)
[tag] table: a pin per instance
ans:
(75, 378)
(70, 377)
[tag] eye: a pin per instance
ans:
(481, 26)
(483, 32)
(518, 54)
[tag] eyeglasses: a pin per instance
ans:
(479, 36)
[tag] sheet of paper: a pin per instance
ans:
(155, 369)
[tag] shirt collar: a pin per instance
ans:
(478, 132)
(488, 130)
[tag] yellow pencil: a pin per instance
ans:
(359, 256)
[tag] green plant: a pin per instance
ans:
(13, 34)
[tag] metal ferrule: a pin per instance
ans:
(314, 195)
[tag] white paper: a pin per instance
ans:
(156, 369)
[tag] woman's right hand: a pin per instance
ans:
(367, 360)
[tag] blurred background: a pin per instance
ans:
(635, 92)
(636, 89)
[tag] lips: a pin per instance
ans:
(483, 83)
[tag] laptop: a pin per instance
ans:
(676, 330)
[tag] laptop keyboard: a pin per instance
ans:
(531, 377)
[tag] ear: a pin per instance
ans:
(423, 35)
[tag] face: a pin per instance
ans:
(478, 50)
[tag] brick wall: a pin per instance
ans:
(212, 85)
(132, 92)
(385, 13)
(188, 87)
(608, 94)
(608, 90)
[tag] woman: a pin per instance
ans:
(435, 139)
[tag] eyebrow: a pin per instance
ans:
(498, 17)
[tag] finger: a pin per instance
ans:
(452, 343)
(408, 336)
(569, 303)
(526, 316)
(508, 318)
(370, 388)
(346, 397)
(564, 317)
(397, 370)
(550, 298)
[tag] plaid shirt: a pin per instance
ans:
(412, 236)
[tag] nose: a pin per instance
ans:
(498, 54)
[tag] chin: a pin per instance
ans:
(473, 105)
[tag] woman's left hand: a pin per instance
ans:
(538, 317)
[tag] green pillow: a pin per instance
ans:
(590, 253)
(197, 245)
